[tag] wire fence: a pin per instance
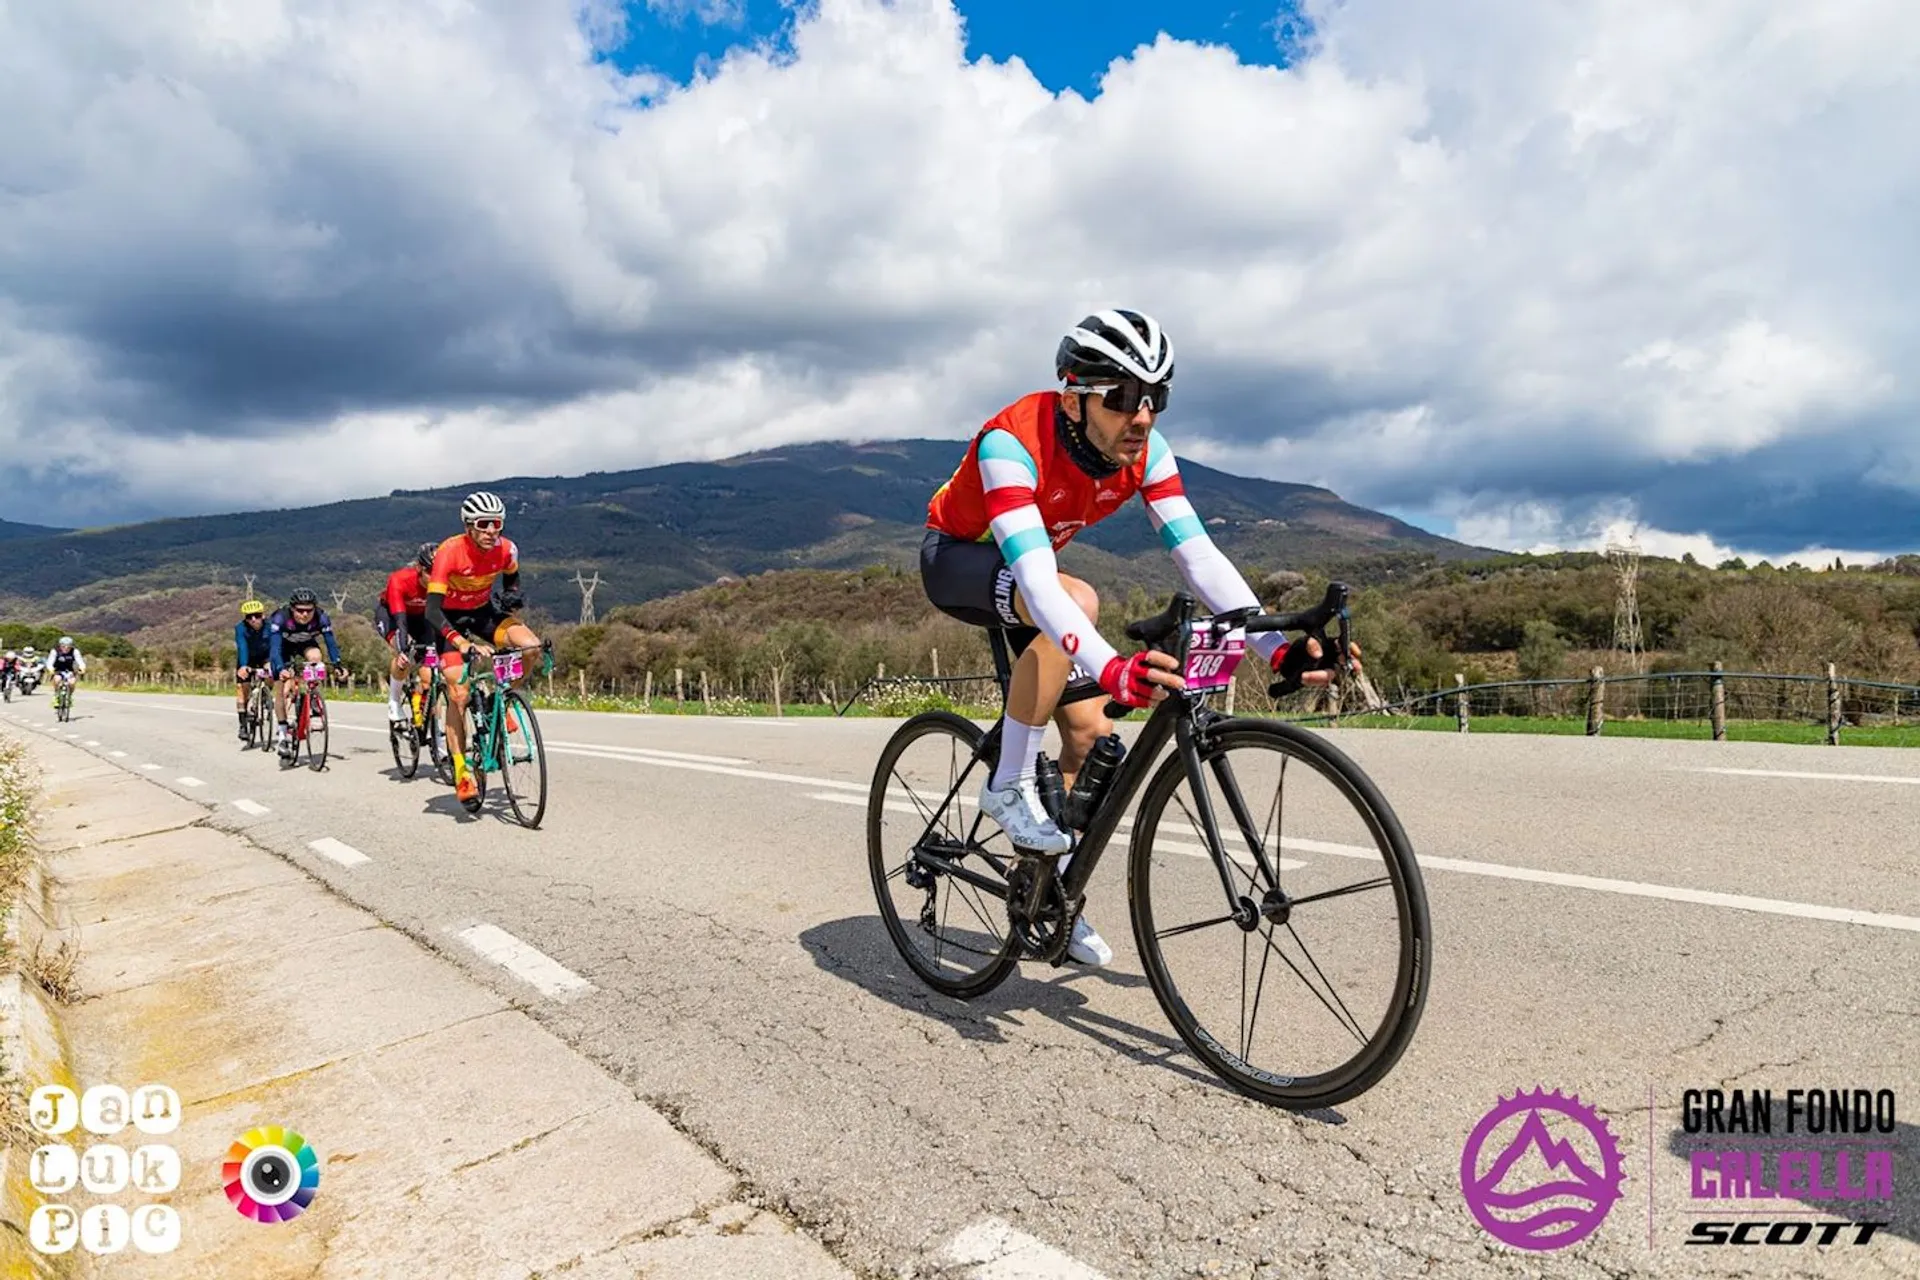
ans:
(1712, 698)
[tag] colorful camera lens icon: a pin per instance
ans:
(271, 1174)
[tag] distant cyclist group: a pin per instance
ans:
(434, 614)
(22, 671)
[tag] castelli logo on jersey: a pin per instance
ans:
(1107, 496)
(1070, 642)
(1058, 495)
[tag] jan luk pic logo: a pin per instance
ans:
(60, 1168)
(1541, 1170)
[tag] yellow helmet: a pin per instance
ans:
(252, 606)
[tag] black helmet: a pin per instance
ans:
(424, 556)
(1115, 346)
(303, 596)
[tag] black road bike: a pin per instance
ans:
(1264, 866)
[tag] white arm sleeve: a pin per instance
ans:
(1205, 568)
(1007, 475)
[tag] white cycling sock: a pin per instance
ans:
(1019, 743)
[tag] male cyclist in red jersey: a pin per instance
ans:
(400, 616)
(460, 606)
(1038, 472)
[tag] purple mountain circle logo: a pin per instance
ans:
(1538, 1191)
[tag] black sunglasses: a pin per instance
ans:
(1127, 397)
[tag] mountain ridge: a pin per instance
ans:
(654, 531)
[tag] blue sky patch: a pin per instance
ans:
(1067, 44)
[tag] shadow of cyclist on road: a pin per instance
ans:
(857, 949)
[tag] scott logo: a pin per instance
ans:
(1779, 1232)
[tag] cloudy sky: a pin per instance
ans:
(1520, 272)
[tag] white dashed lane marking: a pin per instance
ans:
(524, 962)
(344, 854)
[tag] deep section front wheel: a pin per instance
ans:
(1304, 986)
(523, 760)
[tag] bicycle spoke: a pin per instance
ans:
(1179, 929)
(1246, 1034)
(1343, 1015)
(1362, 886)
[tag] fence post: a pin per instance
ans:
(777, 710)
(1461, 700)
(649, 694)
(1596, 701)
(1833, 708)
(679, 686)
(706, 694)
(1231, 686)
(880, 671)
(936, 664)
(1719, 702)
(582, 673)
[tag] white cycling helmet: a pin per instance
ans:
(66, 642)
(481, 505)
(1113, 346)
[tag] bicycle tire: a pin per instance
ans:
(1001, 961)
(317, 738)
(433, 723)
(1400, 1017)
(480, 740)
(406, 748)
(521, 710)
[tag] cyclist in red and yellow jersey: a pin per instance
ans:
(461, 612)
(400, 616)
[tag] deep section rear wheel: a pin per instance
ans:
(1306, 989)
(939, 865)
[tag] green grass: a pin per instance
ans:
(1787, 731)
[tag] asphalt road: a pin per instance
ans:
(1618, 919)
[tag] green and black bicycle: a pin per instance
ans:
(1276, 904)
(503, 735)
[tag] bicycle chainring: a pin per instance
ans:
(1042, 936)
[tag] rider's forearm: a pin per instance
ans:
(437, 615)
(1218, 584)
(333, 650)
(1036, 572)
(1205, 568)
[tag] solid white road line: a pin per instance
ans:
(344, 854)
(1634, 888)
(1803, 773)
(992, 1250)
(524, 962)
(252, 807)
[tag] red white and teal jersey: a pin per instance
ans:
(1019, 486)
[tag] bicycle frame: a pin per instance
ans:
(474, 676)
(1182, 716)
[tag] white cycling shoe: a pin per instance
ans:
(1021, 815)
(1087, 947)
